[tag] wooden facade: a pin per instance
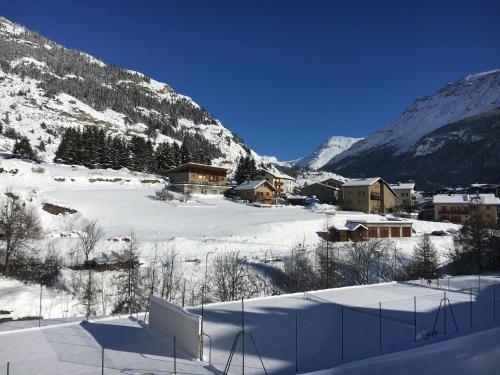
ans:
(199, 178)
(257, 191)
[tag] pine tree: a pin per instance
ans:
(253, 173)
(424, 262)
(246, 170)
(22, 149)
(186, 154)
(240, 175)
(163, 158)
(177, 154)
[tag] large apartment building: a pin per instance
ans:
(406, 195)
(458, 208)
(371, 195)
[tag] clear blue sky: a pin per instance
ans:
(284, 75)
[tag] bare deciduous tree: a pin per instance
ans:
(233, 279)
(170, 278)
(364, 258)
(90, 235)
(299, 274)
(19, 226)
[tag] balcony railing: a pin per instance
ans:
(376, 196)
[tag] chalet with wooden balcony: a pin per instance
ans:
(283, 183)
(370, 195)
(459, 208)
(259, 191)
(198, 178)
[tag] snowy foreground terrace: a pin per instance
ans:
(375, 329)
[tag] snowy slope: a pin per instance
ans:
(325, 152)
(469, 96)
(121, 201)
(33, 65)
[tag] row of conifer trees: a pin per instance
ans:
(92, 148)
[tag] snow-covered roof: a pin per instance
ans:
(489, 199)
(362, 181)
(403, 186)
(349, 226)
(352, 225)
(252, 185)
(321, 184)
(278, 174)
(373, 222)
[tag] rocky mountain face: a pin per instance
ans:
(325, 152)
(444, 139)
(45, 88)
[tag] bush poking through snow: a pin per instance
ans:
(39, 170)
(164, 195)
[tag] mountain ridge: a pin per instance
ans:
(472, 95)
(325, 152)
(42, 82)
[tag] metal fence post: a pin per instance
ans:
(8, 368)
(296, 343)
(479, 283)
(470, 307)
(175, 357)
(243, 335)
(342, 331)
(415, 317)
(444, 312)
(380, 325)
(494, 302)
(102, 360)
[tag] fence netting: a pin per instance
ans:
(306, 333)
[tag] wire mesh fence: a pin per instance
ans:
(152, 357)
(305, 333)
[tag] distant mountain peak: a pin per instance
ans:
(468, 96)
(326, 151)
(446, 138)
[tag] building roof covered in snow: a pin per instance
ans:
(252, 185)
(368, 181)
(403, 186)
(488, 199)
(350, 226)
(278, 174)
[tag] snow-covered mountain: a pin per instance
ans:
(408, 140)
(325, 152)
(45, 87)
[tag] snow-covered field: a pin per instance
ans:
(123, 204)
(354, 330)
